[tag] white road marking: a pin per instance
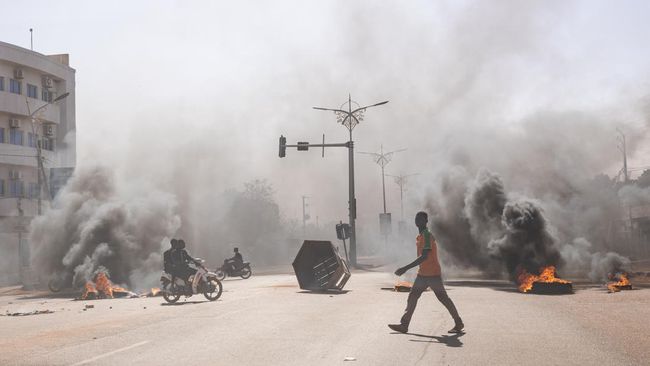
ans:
(111, 353)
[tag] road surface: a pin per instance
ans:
(268, 320)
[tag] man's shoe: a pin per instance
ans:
(458, 328)
(399, 328)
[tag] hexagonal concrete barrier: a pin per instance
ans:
(319, 266)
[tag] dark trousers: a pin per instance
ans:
(184, 272)
(419, 286)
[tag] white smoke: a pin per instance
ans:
(94, 223)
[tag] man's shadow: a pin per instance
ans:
(448, 340)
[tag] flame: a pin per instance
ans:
(89, 291)
(102, 287)
(403, 286)
(155, 291)
(547, 274)
(622, 281)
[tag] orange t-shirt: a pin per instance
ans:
(430, 266)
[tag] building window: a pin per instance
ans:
(31, 139)
(14, 86)
(16, 137)
(32, 91)
(2, 135)
(47, 144)
(16, 188)
(46, 95)
(2, 187)
(2, 83)
(33, 190)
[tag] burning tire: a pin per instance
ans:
(54, 285)
(214, 289)
(246, 273)
(171, 294)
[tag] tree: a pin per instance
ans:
(253, 220)
(644, 180)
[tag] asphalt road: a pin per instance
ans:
(268, 320)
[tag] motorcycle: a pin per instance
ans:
(208, 284)
(227, 270)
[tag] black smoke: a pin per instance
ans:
(94, 225)
(527, 244)
(482, 226)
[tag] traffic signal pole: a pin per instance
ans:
(349, 119)
(304, 146)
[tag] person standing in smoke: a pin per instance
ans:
(429, 275)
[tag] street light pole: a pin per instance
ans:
(401, 182)
(352, 199)
(623, 148)
(383, 186)
(350, 119)
(382, 159)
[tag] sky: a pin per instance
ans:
(191, 96)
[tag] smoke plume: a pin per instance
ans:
(479, 225)
(527, 244)
(511, 89)
(93, 225)
(604, 265)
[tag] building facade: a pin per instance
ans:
(28, 81)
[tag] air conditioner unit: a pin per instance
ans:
(14, 123)
(15, 175)
(48, 82)
(18, 74)
(48, 130)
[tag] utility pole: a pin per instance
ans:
(305, 216)
(382, 159)
(622, 147)
(349, 118)
(42, 178)
(19, 228)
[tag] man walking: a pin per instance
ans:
(428, 276)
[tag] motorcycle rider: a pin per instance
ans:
(167, 259)
(177, 262)
(236, 262)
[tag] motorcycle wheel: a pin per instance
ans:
(220, 274)
(246, 273)
(216, 293)
(171, 295)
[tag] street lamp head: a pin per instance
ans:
(350, 118)
(62, 96)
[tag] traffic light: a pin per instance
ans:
(283, 146)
